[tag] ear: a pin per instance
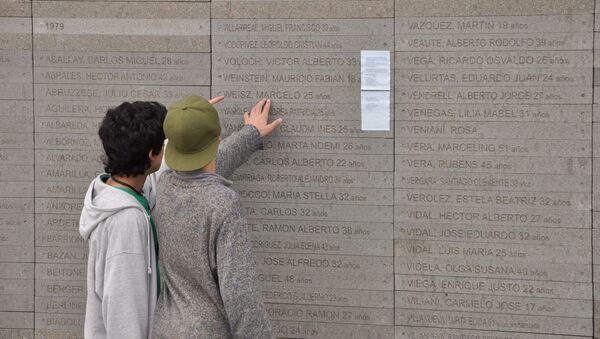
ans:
(153, 156)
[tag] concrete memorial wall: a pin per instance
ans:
(472, 216)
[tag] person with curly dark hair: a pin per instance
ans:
(122, 277)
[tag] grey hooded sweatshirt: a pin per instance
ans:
(121, 284)
(121, 272)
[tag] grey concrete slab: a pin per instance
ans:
(62, 108)
(501, 201)
(286, 60)
(491, 182)
(16, 205)
(411, 332)
(21, 236)
(14, 122)
(15, 58)
(330, 330)
(327, 145)
(304, 78)
(292, 128)
(322, 111)
(58, 205)
(17, 189)
(59, 239)
(304, 27)
(553, 290)
(480, 269)
(477, 320)
(16, 75)
(58, 321)
(458, 302)
(494, 77)
(75, 158)
(245, 176)
(315, 195)
(274, 43)
(67, 173)
(494, 164)
(18, 271)
(16, 303)
(16, 41)
(327, 296)
(280, 244)
(61, 305)
(122, 60)
(16, 320)
(20, 8)
(125, 10)
(514, 235)
(494, 24)
(17, 91)
(57, 288)
(491, 42)
(15, 148)
(494, 147)
(344, 315)
(70, 141)
(115, 94)
(493, 112)
(60, 272)
(302, 9)
(16, 173)
(491, 7)
(499, 59)
(73, 125)
(494, 95)
(122, 76)
(315, 162)
(477, 216)
(16, 286)
(20, 222)
(320, 212)
(122, 43)
(299, 229)
(18, 254)
(15, 25)
(46, 222)
(494, 130)
(61, 255)
(491, 253)
(364, 281)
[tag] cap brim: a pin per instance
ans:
(186, 162)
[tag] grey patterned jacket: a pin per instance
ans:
(209, 280)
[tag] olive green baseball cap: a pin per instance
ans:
(193, 129)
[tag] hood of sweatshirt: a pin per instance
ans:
(102, 201)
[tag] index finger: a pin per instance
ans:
(216, 100)
(266, 107)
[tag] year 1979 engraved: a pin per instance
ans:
(55, 26)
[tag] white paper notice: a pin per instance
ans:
(375, 70)
(375, 90)
(375, 110)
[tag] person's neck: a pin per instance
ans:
(137, 182)
(211, 167)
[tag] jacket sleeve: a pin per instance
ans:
(242, 299)
(125, 301)
(236, 149)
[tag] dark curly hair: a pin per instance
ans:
(128, 132)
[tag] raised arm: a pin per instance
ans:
(239, 146)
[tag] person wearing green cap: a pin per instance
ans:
(209, 288)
